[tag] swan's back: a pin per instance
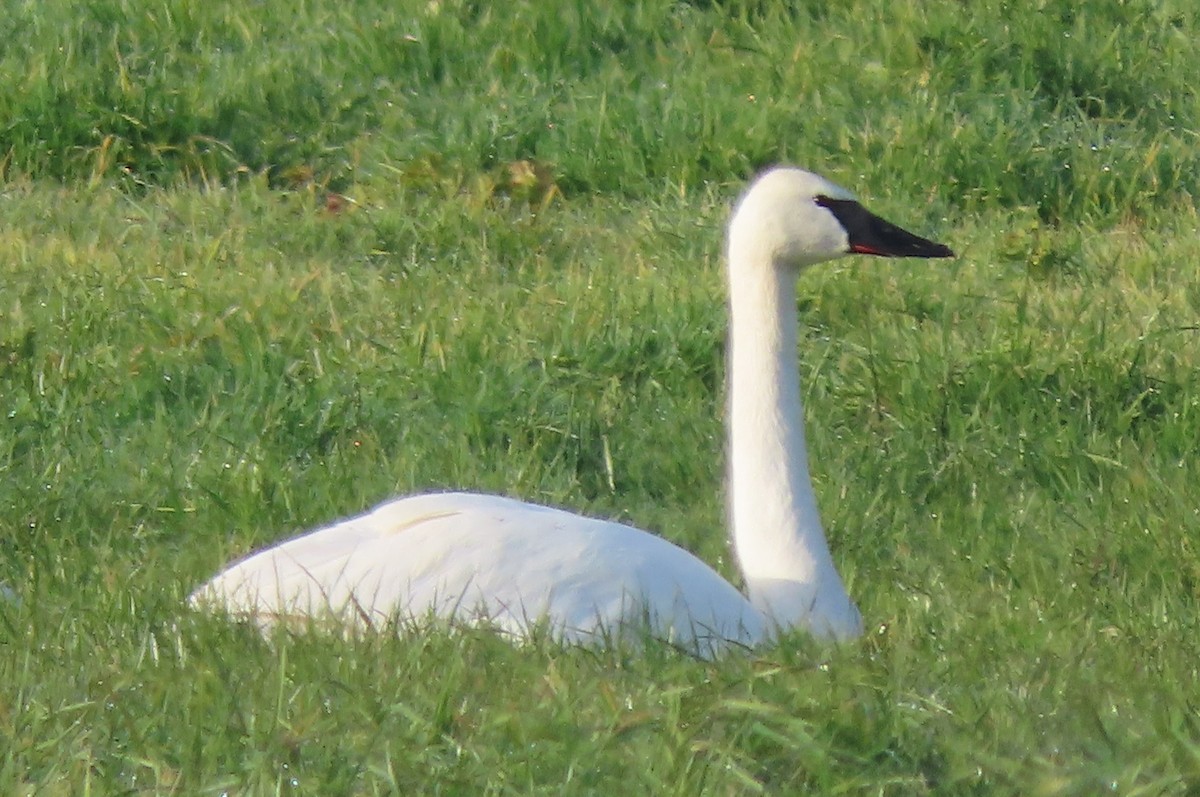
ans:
(469, 558)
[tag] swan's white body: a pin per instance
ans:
(521, 567)
(513, 564)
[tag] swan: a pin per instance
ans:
(520, 567)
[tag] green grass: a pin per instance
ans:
(265, 265)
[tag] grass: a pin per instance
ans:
(261, 267)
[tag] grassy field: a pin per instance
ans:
(264, 265)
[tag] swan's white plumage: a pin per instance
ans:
(484, 557)
(520, 566)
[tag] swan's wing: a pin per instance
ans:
(363, 560)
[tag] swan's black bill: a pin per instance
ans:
(871, 235)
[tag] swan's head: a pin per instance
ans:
(793, 218)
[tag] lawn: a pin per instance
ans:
(266, 265)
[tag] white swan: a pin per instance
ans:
(520, 566)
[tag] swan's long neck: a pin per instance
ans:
(777, 532)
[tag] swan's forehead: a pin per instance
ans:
(832, 190)
(798, 183)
